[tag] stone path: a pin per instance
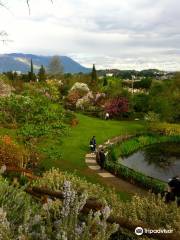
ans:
(108, 178)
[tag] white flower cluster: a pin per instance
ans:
(80, 86)
(69, 198)
(106, 212)
(87, 99)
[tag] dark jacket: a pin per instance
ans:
(102, 158)
(174, 184)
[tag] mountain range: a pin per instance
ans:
(21, 62)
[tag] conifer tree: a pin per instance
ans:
(32, 68)
(105, 81)
(31, 74)
(94, 75)
(42, 74)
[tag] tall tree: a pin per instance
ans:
(93, 75)
(42, 74)
(105, 81)
(55, 66)
(32, 68)
(31, 74)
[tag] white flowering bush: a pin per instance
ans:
(85, 101)
(80, 87)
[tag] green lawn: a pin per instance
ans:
(76, 145)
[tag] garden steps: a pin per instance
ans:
(95, 167)
(108, 178)
(106, 175)
(90, 161)
(90, 155)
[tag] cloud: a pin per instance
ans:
(113, 34)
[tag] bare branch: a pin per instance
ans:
(27, 1)
(4, 37)
(3, 34)
(4, 6)
(28, 4)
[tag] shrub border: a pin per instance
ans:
(135, 177)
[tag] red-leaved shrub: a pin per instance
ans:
(116, 106)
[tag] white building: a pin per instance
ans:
(109, 74)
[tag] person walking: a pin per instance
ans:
(93, 144)
(174, 185)
(102, 158)
(174, 190)
(107, 116)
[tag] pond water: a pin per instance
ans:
(161, 161)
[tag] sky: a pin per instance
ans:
(123, 34)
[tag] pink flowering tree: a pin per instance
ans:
(116, 106)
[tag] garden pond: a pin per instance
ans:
(160, 161)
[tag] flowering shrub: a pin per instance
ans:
(83, 103)
(53, 89)
(53, 219)
(11, 153)
(54, 179)
(23, 218)
(86, 101)
(80, 87)
(165, 128)
(77, 92)
(117, 106)
(100, 99)
(72, 99)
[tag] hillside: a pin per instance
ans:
(21, 62)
